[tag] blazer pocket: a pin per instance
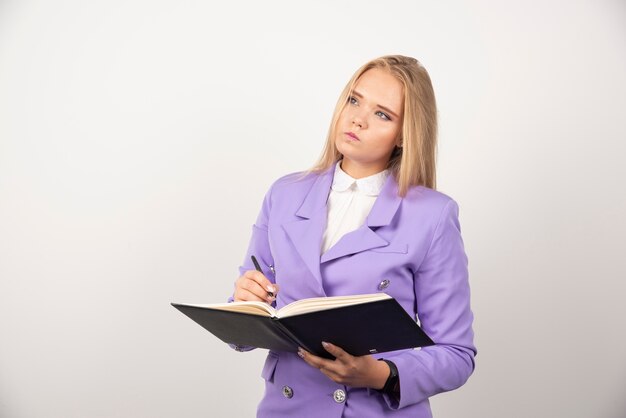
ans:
(392, 248)
(269, 367)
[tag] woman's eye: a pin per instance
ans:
(383, 115)
(352, 100)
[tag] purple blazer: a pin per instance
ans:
(410, 248)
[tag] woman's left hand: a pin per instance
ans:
(361, 371)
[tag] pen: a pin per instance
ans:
(257, 266)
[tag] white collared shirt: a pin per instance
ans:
(349, 202)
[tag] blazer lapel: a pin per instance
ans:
(364, 238)
(306, 233)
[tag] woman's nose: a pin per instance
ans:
(358, 121)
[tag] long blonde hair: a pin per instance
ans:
(415, 162)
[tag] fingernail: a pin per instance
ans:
(300, 352)
(325, 344)
(271, 289)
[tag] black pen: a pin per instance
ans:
(257, 266)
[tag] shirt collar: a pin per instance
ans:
(370, 185)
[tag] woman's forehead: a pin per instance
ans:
(382, 88)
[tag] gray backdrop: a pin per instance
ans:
(138, 137)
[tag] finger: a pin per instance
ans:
(244, 295)
(313, 360)
(254, 287)
(327, 367)
(261, 280)
(336, 351)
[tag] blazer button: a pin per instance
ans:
(272, 270)
(384, 284)
(339, 395)
(287, 392)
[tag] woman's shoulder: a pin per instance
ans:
(295, 177)
(290, 190)
(293, 181)
(426, 194)
(433, 201)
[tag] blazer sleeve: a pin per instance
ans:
(259, 242)
(443, 307)
(260, 248)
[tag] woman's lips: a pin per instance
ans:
(352, 136)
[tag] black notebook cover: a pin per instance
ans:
(366, 328)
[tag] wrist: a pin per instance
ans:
(381, 374)
(392, 383)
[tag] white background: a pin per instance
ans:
(137, 139)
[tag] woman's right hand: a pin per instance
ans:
(253, 285)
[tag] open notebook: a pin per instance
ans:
(360, 324)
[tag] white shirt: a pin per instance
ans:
(349, 202)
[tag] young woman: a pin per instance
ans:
(367, 219)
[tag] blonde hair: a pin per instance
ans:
(413, 163)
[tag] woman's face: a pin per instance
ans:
(370, 125)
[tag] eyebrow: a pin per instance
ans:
(356, 93)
